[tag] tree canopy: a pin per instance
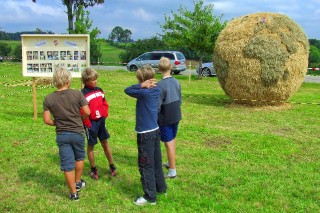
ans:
(197, 30)
(118, 34)
(73, 6)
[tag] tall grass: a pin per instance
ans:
(229, 158)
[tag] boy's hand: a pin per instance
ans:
(149, 83)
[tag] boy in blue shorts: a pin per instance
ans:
(148, 135)
(169, 113)
(65, 105)
(96, 123)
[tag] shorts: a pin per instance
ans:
(71, 149)
(97, 130)
(168, 132)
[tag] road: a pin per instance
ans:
(308, 78)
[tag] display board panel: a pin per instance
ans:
(42, 53)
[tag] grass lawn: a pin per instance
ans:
(229, 158)
(110, 55)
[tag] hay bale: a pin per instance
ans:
(263, 57)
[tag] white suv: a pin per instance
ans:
(178, 61)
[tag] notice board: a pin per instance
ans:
(43, 53)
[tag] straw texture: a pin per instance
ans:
(261, 56)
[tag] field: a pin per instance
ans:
(230, 158)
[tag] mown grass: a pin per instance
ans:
(229, 158)
(110, 55)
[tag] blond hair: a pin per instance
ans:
(61, 76)
(89, 74)
(164, 64)
(144, 73)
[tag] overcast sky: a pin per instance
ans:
(142, 17)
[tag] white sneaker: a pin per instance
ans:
(141, 201)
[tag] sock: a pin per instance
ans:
(112, 166)
(172, 172)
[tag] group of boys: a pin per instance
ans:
(158, 113)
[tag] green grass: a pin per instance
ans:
(229, 158)
(110, 55)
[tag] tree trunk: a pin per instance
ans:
(70, 15)
(200, 68)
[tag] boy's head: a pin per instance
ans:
(144, 73)
(61, 77)
(164, 65)
(88, 75)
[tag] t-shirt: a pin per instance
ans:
(170, 101)
(65, 107)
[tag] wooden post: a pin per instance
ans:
(34, 94)
(189, 71)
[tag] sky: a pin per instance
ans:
(143, 17)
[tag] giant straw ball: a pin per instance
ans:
(261, 58)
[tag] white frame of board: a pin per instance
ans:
(42, 53)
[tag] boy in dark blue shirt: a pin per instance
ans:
(148, 135)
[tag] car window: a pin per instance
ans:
(169, 55)
(156, 56)
(180, 56)
(146, 56)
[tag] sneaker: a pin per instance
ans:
(169, 175)
(113, 170)
(74, 196)
(141, 201)
(166, 165)
(80, 185)
(94, 174)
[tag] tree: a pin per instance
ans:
(17, 53)
(73, 6)
(197, 30)
(141, 46)
(82, 26)
(118, 34)
(314, 56)
(126, 37)
(315, 43)
(5, 49)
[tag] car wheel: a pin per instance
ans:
(206, 72)
(133, 68)
(176, 72)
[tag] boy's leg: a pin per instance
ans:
(160, 181)
(171, 153)
(70, 178)
(107, 150)
(79, 169)
(90, 154)
(146, 145)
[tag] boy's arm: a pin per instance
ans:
(85, 112)
(136, 89)
(47, 118)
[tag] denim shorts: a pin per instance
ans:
(97, 130)
(71, 149)
(168, 132)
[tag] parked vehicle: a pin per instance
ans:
(178, 61)
(208, 69)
